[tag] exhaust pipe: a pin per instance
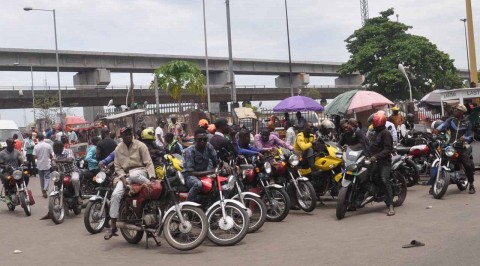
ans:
(123, 225)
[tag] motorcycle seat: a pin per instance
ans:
(403, 150)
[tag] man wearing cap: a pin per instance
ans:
(10, 158)
(132, 165)
(460, 132)
(396, 118)
(220, 142)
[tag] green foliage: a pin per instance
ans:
(175, 77)
(381, 44)
(313, 93)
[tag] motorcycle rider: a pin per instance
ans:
(171, 144)
(381, 148)
(9, 158)
(220, 140)
(148, 138)
(132, 165)
(304, 144)
(407, 126)
(389, 125)
(460, 131)
(265, 140)
(200, 160)
(327, 130)
(351, 136)
(91, 160)
(65, 157)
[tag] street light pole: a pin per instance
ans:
(33, 94)
(206, 59)
(402, 69)
(56, 56)
(289, 54)
(466, 46)
(230, 59)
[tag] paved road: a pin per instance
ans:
(366, 237)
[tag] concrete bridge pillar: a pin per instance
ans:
(219, 78)
(298, 80)
(349, 80)
(92, 79)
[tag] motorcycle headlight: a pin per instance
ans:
(55, 176)
(231, 182)
(268, 167)
(294, 160)
(181, 178)
(100, 177)
(17, 174)
(449, 151)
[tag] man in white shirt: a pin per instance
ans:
(59, 134)
(43, 152)
(159, 134)
(290, 135)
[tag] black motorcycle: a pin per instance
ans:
(360, 187)
(15, 187)
(96, 214)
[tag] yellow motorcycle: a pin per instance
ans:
(327, 173)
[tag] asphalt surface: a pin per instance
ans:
(450, 230)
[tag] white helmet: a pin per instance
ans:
(327, 124)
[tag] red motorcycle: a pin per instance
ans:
(419, 158)
(62, 196)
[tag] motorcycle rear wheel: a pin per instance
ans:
(441, 184)
(25, 204)
(279, 206)
(462, 184)
(127, 215)
(399, 189)
(258, 209)
(196, 218)
(309, 201)
(56, 209)
(411, 174)
(223, 237)
(342, 202)
(94, 220)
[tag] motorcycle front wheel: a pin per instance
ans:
(308, 200)
(93, 218)
(191, 234)
(228, 230)
(342, 202)
(25, 204)
(278, 204)
(441, 184)
(56, 209)
(462, 184)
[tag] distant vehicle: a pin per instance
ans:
(7, 129)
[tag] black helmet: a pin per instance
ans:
(410, 117)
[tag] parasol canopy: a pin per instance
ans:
(355, 101)
(433, 98)
(298, 103)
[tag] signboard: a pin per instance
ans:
(461, 94)
(96, 124)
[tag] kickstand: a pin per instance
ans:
(150, 235)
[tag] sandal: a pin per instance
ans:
(414, 243)
(110, 233)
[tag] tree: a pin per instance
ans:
(45, 108)
(381, 44)
(175, 77)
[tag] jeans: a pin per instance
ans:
(44, 178)
(195, 187)
(382, 171)
(134, 177)
(32, 167)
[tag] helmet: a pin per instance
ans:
(461, 108)
(395, 108)
(410, 117)
(327, 124)
(148, 134)
(379, 119)
(436, 124)
(211, 128)
(203, 123)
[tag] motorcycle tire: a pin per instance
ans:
(310, 202)
(441, 184)
(92, 215)
(277, 211)
(258, 210)
(24, 202)
(342, 202)
(411, 173)
(399, 187)
(11, 207)
(194, 217)
(56, 209)
(240, 225)
(462, 185)
(127, 215)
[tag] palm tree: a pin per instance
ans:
(176, 77)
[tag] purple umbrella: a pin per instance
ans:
(298, 103)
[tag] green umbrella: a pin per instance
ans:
(339, 105)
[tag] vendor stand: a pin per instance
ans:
(133, 118)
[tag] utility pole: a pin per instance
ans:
(230, 59)
(471, 44)
(364, 10)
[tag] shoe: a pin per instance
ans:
(44, 193)
(471, 189)
(79, 201)
(46, 217)
(391, 211)
(430, 191)
(110, 233)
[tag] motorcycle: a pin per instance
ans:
(300, 189)
(327, 174)
(359, 187)
(228, 218)
(445, 168)
(96, 213)
(62, 197)
(258, 180)
(156, 208)
(16, 188)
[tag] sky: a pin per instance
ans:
(318, 29)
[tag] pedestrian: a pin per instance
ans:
(29, 145)
(18, 143)
(72, 137)
(396, 117)
(301, 121)
(59, 135)
(176, 128)
(159, 134)
(290, 133)
(43, 152)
